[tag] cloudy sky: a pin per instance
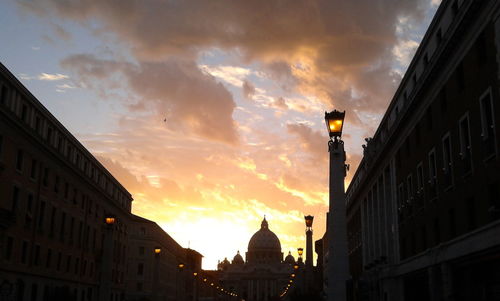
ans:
(211, 112)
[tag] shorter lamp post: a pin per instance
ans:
(156, 286)
(107, 258)
(181, 285)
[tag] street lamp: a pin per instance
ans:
(156, 278)
(335, 123)
(338, 263)
(300, 251)
(109, 220)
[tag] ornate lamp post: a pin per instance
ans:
(338, 264)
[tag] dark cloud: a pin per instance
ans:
(335, 44)
(175, 89)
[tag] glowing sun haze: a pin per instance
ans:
(211, 112)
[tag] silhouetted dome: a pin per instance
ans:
(238, 259)
(289, 258)
(264, 239)
(223, 265)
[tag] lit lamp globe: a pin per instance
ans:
(309, 221)
(181, 265)
(334, 123)
(300, 251)
(109, 220)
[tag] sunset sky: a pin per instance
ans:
(242, 85)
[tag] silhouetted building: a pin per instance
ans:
(158, 267)
(54, 198)
(264, 275)
(423, 207)
(65, 221)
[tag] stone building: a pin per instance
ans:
(54, 196)
(158, 267)
(264, 275)
(423, 207)
(66, 228)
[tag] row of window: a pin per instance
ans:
(50, 292)
(47, 131)
(416, 195)
(51, 261)
(481, 57)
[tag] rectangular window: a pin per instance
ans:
(77, 265)
(19, 160)
(24, 112)
(432, 174)
(49, 135)
(140, 269)
(409, 187)
(487, 124)
(8, 248)
(401, 200)
(41, 216)
(420, 178)
(56, 184)
(420, 185)
(24, 253)
(141, 250)
(15, 198)
(71, 228)
(38, 123)
(33, 172)
(59, 259)
(52, 221)
(68, 263)
(36, 258)
(62, 229)
(49, 259)
(3, 94)
(447, 161)
(46, 177)
(465, 144)
(29, 214)
(66, 190)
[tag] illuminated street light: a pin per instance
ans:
(335, 123)
(338, 261)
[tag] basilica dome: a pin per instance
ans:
(264, 247)
(264, 239)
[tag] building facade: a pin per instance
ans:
(423, 206)
(264, 275)
(158, 267)
(66, 228)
